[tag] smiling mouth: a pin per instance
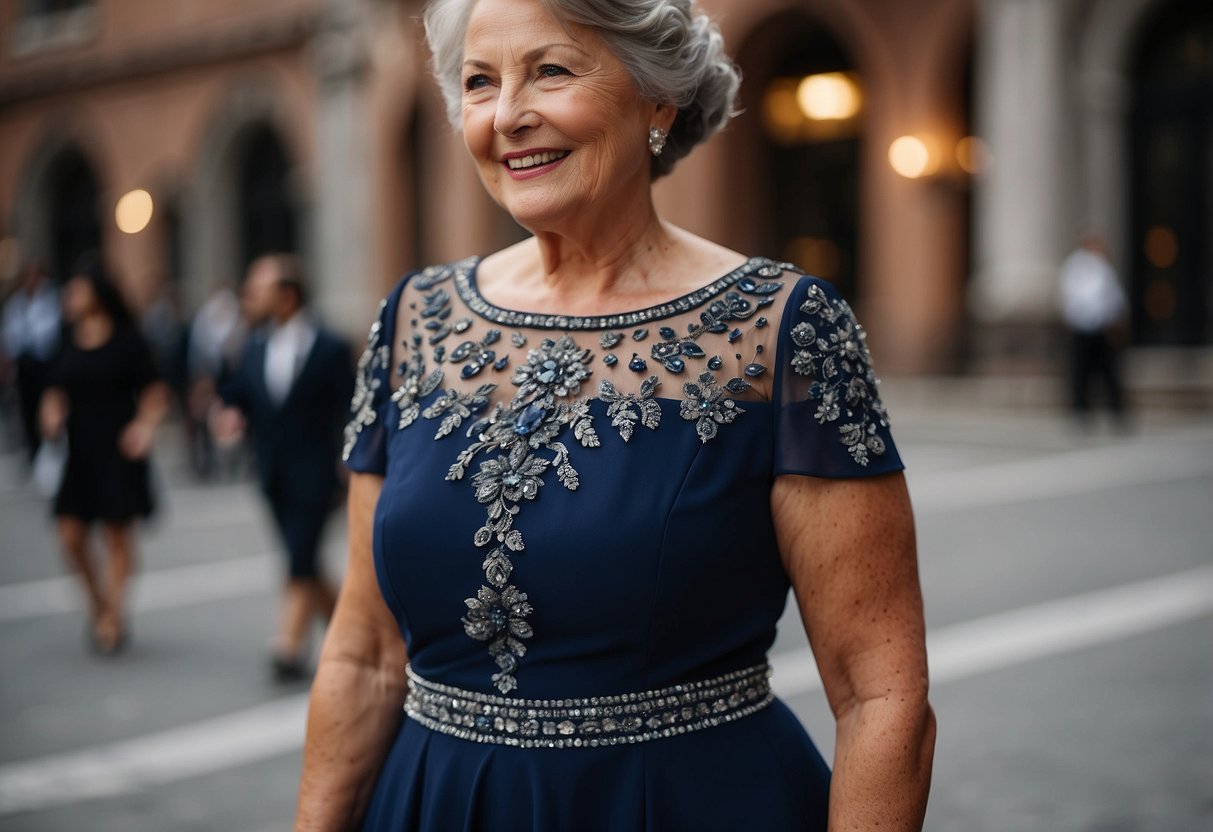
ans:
(535, 160)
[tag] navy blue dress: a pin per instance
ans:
(579, 507)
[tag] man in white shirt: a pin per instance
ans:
(31, 341)
(293, 388)
(1094, 308)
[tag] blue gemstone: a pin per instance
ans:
(675, 365)
(734, 335)
(759, 349)
(471, 369)
(737, 385)
(760, 323)
(529, 419)
(693, 350)
(482, 722)
(439, 354)
(667, 333)
(501, 363)
(714, 363)
(754, 370)
(637, 364)
(610, 359)
(747, 284)
(640, 334)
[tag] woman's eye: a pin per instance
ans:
(474, 82)
(552, 71)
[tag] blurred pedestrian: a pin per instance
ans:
(214, 344)
(31, 338)
(105, 394)
(291, 389)
(1093, 305)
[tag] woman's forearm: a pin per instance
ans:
(354, 713)
(882, 765)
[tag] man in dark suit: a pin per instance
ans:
(292, 389)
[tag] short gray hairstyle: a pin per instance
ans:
(674, 53)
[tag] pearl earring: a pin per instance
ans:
(657, 138)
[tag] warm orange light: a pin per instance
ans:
(816, 255)
(972, 155)
(828, 96)
(134, 211)
(1160, 300)
(1162, 247)
(909, 156)
(780, 112)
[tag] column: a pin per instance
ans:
(341, 248)
(1022, 227)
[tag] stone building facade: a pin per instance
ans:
(312, 124)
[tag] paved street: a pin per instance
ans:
(1069, 588)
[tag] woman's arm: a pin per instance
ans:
(137, 437)
(358, 693)
(848, 547)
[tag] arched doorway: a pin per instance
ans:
(265, 206)
(73, 219)
(1171, 140)
(800, 182)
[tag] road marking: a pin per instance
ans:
(1038, 631)
(155, 759)
(160, 589)
(1060, 475)
(264, 731)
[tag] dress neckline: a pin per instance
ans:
(469, 292)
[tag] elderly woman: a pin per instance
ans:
(587, 468)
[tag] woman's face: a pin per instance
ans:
(79, 299)
(553, 120)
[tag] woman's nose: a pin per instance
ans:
(514, 112)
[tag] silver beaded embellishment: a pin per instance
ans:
(588, 722)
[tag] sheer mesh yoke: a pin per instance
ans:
(443, 358)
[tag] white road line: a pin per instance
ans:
(165, 757)
(1037, 631)
(1060, 475)
(159, 589)
(957, 651)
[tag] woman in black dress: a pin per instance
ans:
(105, 394)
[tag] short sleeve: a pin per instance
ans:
(365, 449)
(830, 421)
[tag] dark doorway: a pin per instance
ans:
(1172, 177)
(808, 168)
(74, 212)
(267, 214)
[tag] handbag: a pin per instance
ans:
(49, 463)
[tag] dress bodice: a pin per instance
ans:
(578, 506)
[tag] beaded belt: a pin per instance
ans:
(589, 722)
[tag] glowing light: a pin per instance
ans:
(828, 96)
(816, 255)
(134, 211)
(780, 111)
(972, 155)
(1160, 300)
(909, 156)
(1162, 247)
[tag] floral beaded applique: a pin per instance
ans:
(374, 360)
(516, 446)
(832, 349)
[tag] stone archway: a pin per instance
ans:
(58, 213)
(214, 245)
(798, 178)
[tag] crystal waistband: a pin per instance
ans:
(589, 722)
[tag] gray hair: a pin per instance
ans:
(674, 54)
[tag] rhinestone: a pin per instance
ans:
(640, 334)
(734, 335)
(754, 370)
(610, 359)
(715, 363)
(667, 333)
(637, 364)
